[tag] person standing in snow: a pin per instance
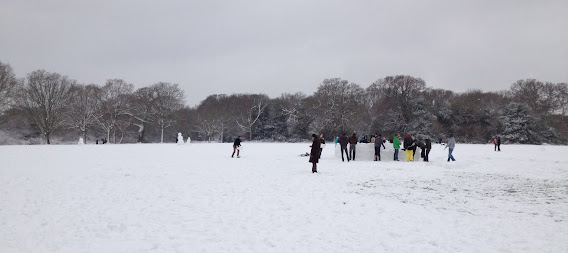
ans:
(414, 145)
(378, 143)
(343, 141)
(396, 145)
(422, 147)
(315, 152)
(451, 145)
(408, 145)
(498, 143)
(428, 147)
(373, 138)
(322, 141)
(352, 146)
(236, 147)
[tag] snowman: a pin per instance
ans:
(81, 142)
(180, 139)
(188, 140)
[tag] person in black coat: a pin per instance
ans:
(236, 146)
(427, 147)
(343, 141)
(315, 152)
(408, 146)
(421, 145)
(352, 146)
(498, 143)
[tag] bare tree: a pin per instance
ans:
(214, 116)
(123, 122)
(115, 96)
(44, 97)
(8, 84)
(81, 111)
(141, 110)
(336, 105)
(398, 98)
(562, 96)
(537, 95)
(206, 126)
(292, 106)
(250, 107)
(167, 99)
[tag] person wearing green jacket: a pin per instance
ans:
(396, 145)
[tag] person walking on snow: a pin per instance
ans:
(343, 141)
(237, 147)
(396, 145)
(378, 143)
(352, 146)
(315, 152)
(451, 145)
(408, 145)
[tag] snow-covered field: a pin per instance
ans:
(195, 198)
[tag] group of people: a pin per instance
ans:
(409, 146)
(497, 143)
(103, 141)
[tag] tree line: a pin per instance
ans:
(44, 106)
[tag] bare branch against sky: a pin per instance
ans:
(287, 46)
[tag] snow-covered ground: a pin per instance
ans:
(195, 198)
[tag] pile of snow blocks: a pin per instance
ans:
(366, 152)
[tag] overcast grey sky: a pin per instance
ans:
(273, 47)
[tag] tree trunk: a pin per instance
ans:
(47, 138)
(108, 135)
(162, 138)
(85, 136)
(250, 131)
(142, 132)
